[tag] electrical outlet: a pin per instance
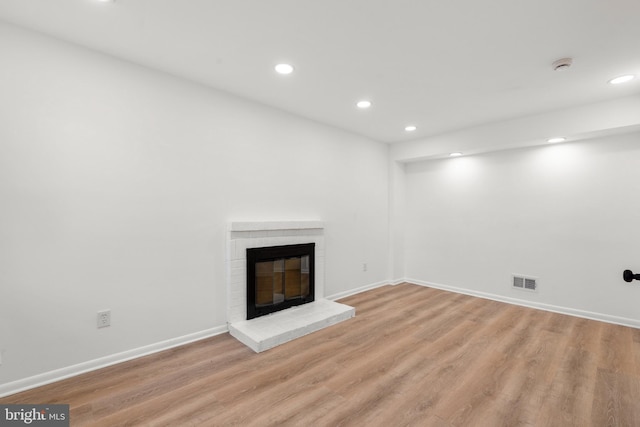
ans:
(104, 318)
(364, 266)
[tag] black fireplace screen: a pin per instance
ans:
(279, 277)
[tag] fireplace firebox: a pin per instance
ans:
(279, 277)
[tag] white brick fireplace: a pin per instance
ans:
(268, 331)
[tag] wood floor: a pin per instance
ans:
(412, 356)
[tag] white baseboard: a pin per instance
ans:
(634, 323)
(350, 292)
(102, 362)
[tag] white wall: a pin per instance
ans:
(568, 214)
(117, 183)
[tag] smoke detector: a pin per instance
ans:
(562, 64)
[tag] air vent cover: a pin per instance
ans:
(526, 283)
(530, 284)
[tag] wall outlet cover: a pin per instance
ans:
(104, 318)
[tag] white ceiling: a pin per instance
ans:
(439, 64)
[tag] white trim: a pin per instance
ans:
(102, 362)
(357, 290)
(274, 225)
(624, 321)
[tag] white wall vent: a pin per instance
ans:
(526, 283)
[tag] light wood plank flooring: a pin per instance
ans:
(412, 356)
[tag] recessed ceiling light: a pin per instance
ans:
(557, 139)
(622, 79)
(105, 1)
(284, 68)
(363, 104)
(410, 128)
(562, 64)
(456, 154)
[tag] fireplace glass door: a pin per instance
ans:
(281, 280)
(278, 277)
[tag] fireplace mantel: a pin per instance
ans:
(239, 226)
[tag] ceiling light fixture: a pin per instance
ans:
(456, 154)
(562, 64)
(557, 139)
(363, 104)
(284, 69)
(622, 79)
(410, 128)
